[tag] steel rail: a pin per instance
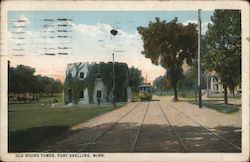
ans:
(139, 130)
(175, 131)
(215, 134)
(107, 129)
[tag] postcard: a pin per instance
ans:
(124, 81)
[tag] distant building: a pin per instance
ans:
(80, 71)
(216, 86)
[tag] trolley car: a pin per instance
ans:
(145, 92)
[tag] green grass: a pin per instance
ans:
(222, 108)
(222, 97)
(51, 98)
(167, 94)
(31, 125)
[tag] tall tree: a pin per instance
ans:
(135, 78)
(170, 44)
(23, 78)
(224, 43)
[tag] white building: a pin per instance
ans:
(80, 71)
(216, 86)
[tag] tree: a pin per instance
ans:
(170, 44)
(224, 43)
(21, 80)
(135, 78)
(188, 81)
(161, 84)
(23, 76)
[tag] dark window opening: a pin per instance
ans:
(99, 94)
(81, 75)
(82, 94)
(70, 95)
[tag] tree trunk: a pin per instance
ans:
(175, 93)
(225, 94)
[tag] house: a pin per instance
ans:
(86, 82)
(216, 86)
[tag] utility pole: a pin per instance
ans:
(113, 86)
(113, 32)
(199, 59)
(207, 84)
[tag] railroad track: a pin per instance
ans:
(109, 129)
(175, 131)
(204, 127)
(139, 130)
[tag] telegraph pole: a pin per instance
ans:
(113, 86)
(113, 32)
(199, 59)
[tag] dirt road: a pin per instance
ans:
(155, 126)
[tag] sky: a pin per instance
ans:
(84, 36)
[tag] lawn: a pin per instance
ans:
(213, 103)
(222, 108)
(31, 125)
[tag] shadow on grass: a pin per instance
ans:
(220, 107)
(28, 139)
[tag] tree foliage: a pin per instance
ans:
(170, 44)
(224, 43)
(162, 84)
(135, 78)
(188, 81)
(21, 79)
(75, 84)
(104, 71)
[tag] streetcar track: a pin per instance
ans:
(215, 134)
(175, 131)
(139, 130)
(108, 128)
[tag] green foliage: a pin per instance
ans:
(224, 43)
(104, 71)
(170, 44)
(107, 74)
(221, 108)
(187, 81)
(93, 72)
(21, 79)
(121, 81)
(135, 78)
(47, 85)
(162, 84)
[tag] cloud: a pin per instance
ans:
(89, 43)
(21, 21)
(203, 25)
(93, 30)
(95, 43)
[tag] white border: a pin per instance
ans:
(128, 6)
